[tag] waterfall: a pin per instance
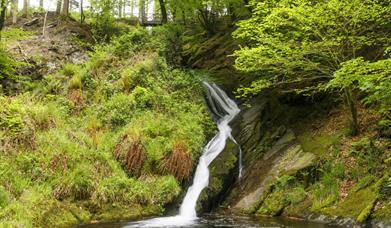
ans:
(224, 110)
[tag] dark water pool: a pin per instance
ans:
(222, 221)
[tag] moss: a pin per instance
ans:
(358, 204)
(221, 167)
(64, 215)
(298, 209)
(383, 213)
(320, 144)
(273, 204)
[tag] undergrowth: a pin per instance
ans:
(117, 132)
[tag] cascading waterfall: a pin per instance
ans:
(224, 109)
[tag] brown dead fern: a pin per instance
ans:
(179, 163)
(130, 153)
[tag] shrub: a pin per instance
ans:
(69, 70)
(131, 42)
(118, 110)
(114, 189)
(167, 188)
(75, 82)
(4, 197)
(8, 67)
(12, 114)
(77, 185)
(45, 116)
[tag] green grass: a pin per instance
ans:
(58, 166)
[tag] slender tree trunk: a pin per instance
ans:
(163, 11)
(82, 16)
(132, 4)
(41, 4)
(44, 25)
(25, 8)
(14, 11)
(124, 9)
(3, 12)
(351, 101)
(58, 8)
(65, 8)
(142, 11)
(120, 9)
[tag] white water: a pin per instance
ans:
(226, 110)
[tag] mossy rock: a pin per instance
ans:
(273, 204)
(64, 215)
(357, 205)
(383, 213)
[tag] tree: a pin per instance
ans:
(65, 8)
(3, 11)
(142, 11)
(25, 10)
(82, 16)
(303, 43)
(14, 9)
(163, 11)
(58, 7)
(372, 78)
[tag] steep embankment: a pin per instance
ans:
(108, 139)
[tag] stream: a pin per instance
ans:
(224, 221)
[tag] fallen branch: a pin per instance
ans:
(32, 22)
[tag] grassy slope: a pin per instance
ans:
(100, 140)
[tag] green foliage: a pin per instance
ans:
(4, 197)
(69, 70)
(12, 114)
(386, 187)
(372, 78)
(8, 67)
(103, 21)
(86, 110)
(118, 110)
(75, 82)
(367, 155)
(326, 191)
(131, 42)
(10, 35)
(302, 44)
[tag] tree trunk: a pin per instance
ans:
(14, 11)
(41, 4)
(82, 16)
(25, 8)
(58, 8)
(3, 11)
(132, 8)
(142, 11)
(124, 9)
(163, 10)
(351, 101)
(65, 8)
(120, 9)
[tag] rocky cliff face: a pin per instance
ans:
(270, 150)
